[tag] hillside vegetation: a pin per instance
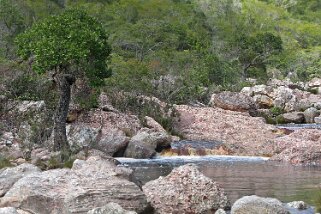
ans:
(177, 50)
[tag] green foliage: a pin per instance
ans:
(144, 106)
(176, 50)
(276, 111)
(11, 24)
(71, 41)
(4, 162)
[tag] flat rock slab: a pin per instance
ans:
(89, 184)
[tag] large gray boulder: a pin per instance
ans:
(112, 143)
(110, 208)
(145, 142)
(81, 135)
(293, 117)
(11, 175)
(258, 205)
(185, 190)
(233, 101)
(310, 114)
(88, 185)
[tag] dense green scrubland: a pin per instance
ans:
(177, 50)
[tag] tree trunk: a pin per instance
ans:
(64, 82)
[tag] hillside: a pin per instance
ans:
(181, 50)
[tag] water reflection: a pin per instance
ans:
(240, 177)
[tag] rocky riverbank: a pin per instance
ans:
(100, 185)
(233, 123)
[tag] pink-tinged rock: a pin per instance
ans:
(241, 133)
(185, 190)
(303, 146)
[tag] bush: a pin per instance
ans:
(276, 111)
(145, 106)
(4, 162)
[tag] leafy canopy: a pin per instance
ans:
(68, 42)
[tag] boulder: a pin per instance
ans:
(112, 143)
(315, 82)
(185, 190)
(254, 205)
(10, 147)
(88, 185)
(257, 90)
(284, 98)
(8, 210)
(11, 175)
(300, 205)
(110, 208)
(220, 211)
(278, 82)
(317, 120)
(293, 117)
(233, 101)
(237, 131)
(81, 136)
(145, 143)
(263, 101)
(310, 114)
(302, 146)
(153, 124)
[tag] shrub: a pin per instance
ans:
(145, 106)
(276, 111)
(4, 162)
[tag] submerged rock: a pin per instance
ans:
(185, 190)
(88, 185)
(258, 205)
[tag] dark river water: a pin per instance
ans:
(241, 176)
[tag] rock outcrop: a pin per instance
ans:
(185, 190)
(88, 185)
(241, 133)
(254, 205)
(303, 146)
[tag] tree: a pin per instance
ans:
(254, 51)
(71, 45)
(11, 24)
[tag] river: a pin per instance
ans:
(240, 176)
